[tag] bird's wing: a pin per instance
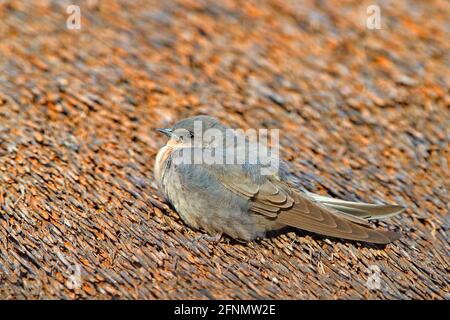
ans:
(276, 200)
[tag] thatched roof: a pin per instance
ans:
(363, 116)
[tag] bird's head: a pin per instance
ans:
(194, 131)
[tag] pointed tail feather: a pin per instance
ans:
(366, 211)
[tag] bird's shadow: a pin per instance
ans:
(318, 237)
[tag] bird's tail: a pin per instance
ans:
(361, 211)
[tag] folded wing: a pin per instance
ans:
(274, 199)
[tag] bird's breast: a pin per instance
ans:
(161, 162)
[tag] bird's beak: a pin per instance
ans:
(166, 131)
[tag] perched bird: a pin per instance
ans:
(236, 199)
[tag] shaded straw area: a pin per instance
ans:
(363, 115)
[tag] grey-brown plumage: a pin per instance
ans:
(236, 199)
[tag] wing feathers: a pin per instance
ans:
(345, 230)
(311, 212)
(332, 224)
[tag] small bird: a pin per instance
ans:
(238, 200)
